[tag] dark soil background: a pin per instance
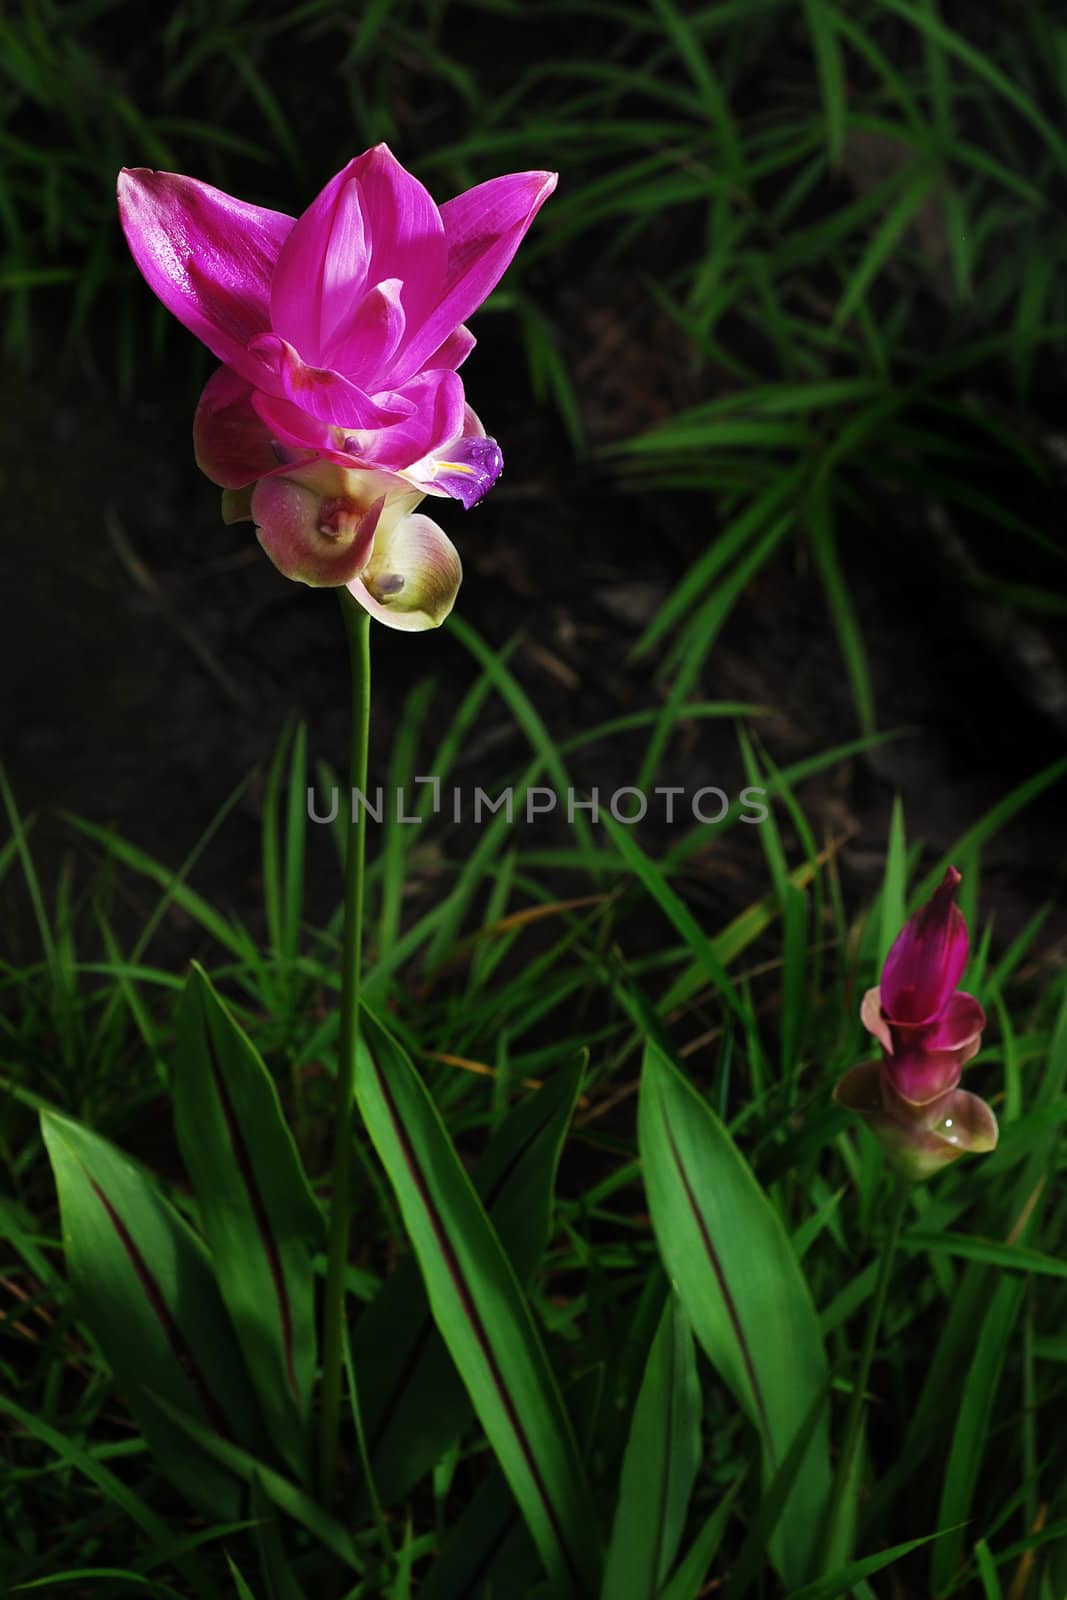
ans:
(151, 655)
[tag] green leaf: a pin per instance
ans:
(119, 1494)
(144, 1287)
(659, 1467)
(750, 1562)
(894, 885)
(259, 1217)
(981, 66)
(991, 823)
(487, 1541)
(286, 1495)
(831, 71)
(972, 1426)
(847, 1578)
(893, 225)
(526, 715)
(480, 1311)
(413, 1401)
(755, 519)
(724, 1247)
(235, 940)
(688, 1580)
(1016, 1257)
(277, 1575)
(821, 526)
(243, 1591)
(73, 1574)
(675, 910)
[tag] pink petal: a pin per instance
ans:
(320, 541)
(927, 958)
(436, 421)
(296, 435)
(968, 1051)
(453, 352)
(873, 1020)
(299, 439)
(363, 346)
(208, 256)
(406, 234)
(484, 228)
(413, 576)
(291, 426)
(920, 1079)
(959, 1025)
(322, 269)
(232, 443)
(317, 390)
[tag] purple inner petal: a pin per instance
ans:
(472, 468)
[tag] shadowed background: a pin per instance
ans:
(793, 249)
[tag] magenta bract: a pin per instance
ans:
(928, 1030)
(340, 334)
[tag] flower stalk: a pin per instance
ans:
(357, 629)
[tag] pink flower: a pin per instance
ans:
(928, 1030)
(338, 406)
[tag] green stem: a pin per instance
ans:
(854, 1416)
(357, 628)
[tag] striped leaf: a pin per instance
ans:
(259, 1217)
(481, 1312)
(413, 1401)
(659, 1467)
(145, 1290)
(725, 1249)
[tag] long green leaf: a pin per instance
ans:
(413, 1401)
(659, 1467)
(972, 1427)
(286, 1495)
(848, 1578)
(144, 1286)
(724, 1247)
(480, 1311)
(259, 1217)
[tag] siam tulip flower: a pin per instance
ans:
(338, 406)
(928, 1030)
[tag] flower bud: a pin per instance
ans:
(928, 1030)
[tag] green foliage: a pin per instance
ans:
(480, 1311)
(414, 1405)
(530, 1324)
(725, 1249)
(659, 1468)
(257, 1212)
(144, 1286)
